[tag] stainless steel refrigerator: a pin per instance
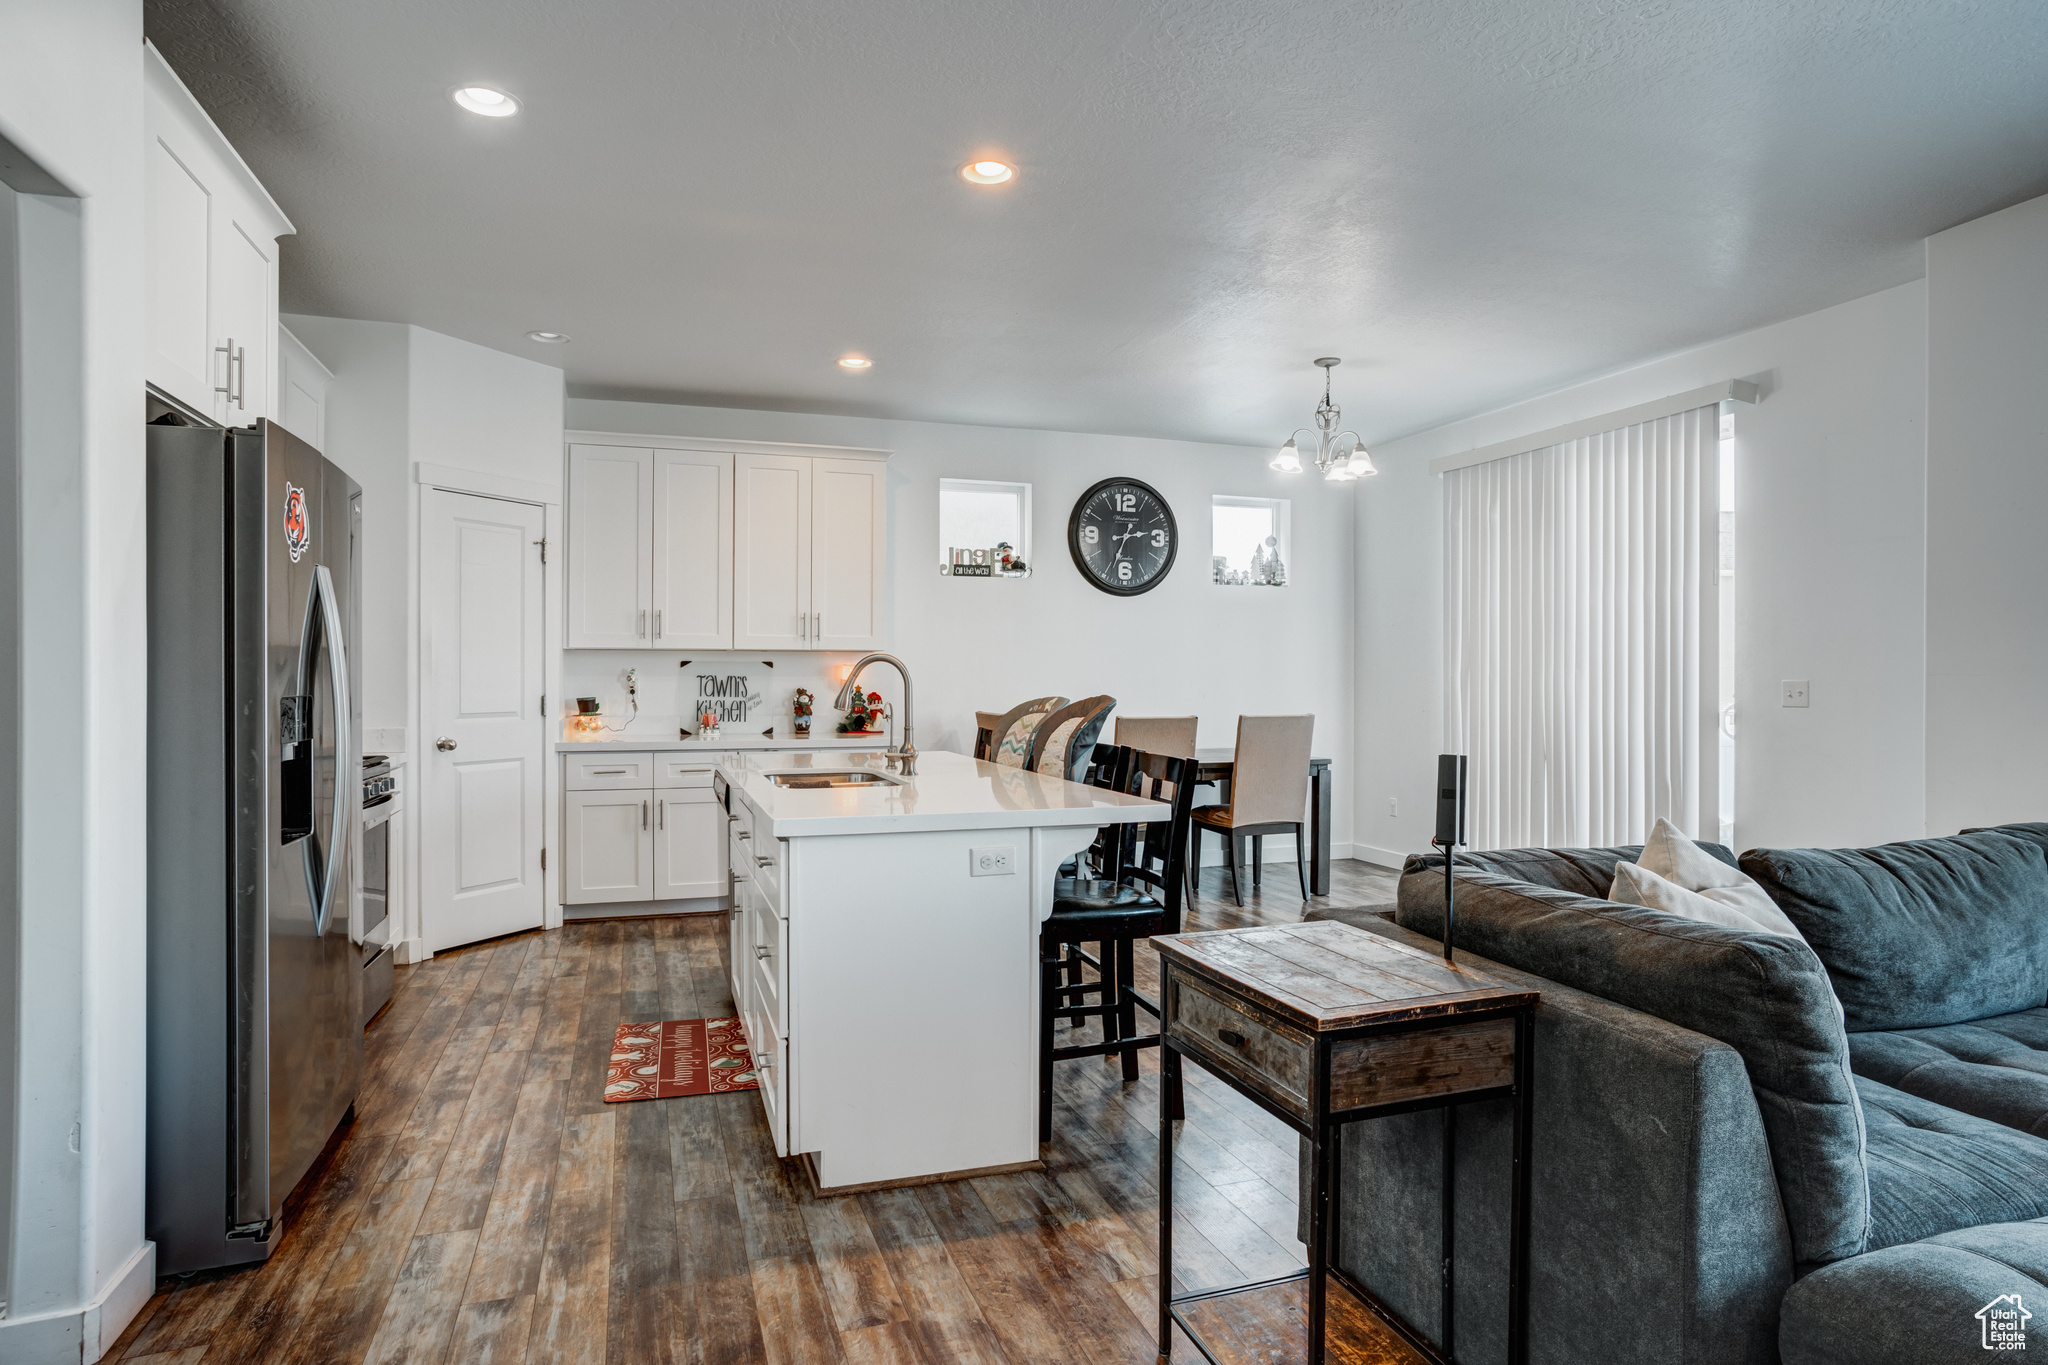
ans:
(255, 1033)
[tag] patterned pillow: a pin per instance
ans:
(1016, 746)
(1052, 758)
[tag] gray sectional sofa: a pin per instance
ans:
(1730, 1165)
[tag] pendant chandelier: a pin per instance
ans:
(1341, 455)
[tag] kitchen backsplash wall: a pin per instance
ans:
(670, 688)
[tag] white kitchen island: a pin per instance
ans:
(885, 953)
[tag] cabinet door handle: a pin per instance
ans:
(607, 772)
(762, 952)
(817, 627)
(1231, 1037)
(643, 622)
(664, 815)
(759, 861)
(241, 377)
(657, 623)
(803, 626)
(227, 370)
(643, 815)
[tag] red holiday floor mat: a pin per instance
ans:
(678, 1057)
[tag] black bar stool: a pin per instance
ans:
(1141, 874)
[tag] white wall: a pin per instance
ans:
(1186, 647)
(71, 101)
(1829, 585)
(1987, 488)
(475, 408)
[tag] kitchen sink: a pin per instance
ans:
(822, 777)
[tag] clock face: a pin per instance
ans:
(1122, 536)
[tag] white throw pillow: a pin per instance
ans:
(1677, 875)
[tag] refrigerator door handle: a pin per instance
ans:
(328, 621)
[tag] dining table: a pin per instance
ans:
(1216, 765)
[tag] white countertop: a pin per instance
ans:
(730, 741)
(950, 791)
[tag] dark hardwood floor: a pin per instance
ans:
(487, 1206)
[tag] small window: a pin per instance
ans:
(1248, 537)
(984, 529)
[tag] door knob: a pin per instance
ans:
(444, 744)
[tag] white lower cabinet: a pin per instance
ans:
(760, 971)
(638, 829)
(689, 844)
(607, 851)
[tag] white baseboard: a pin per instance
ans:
(80, 1336)
(1378, 857)
(410, 952)
(1280, 850)
(699, 905)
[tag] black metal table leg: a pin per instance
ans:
(1321, 818)
(1169, 1085)
(1518, 1231)
(1317, 1241)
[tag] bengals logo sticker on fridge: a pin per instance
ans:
(298, 533)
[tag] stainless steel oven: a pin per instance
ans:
(380, 804)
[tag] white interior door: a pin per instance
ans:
(771, 588)
(611, 491)
(692, 550)
(848, 512)
(484, 737)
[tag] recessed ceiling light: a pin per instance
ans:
(987, 172)
(551, 338)
(481, 99)
(855, 362)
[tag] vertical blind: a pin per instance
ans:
(1574, 579)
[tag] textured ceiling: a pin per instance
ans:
(1468, 200)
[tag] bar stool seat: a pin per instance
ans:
(1140, 896)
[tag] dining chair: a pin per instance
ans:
(1170, 735)
(1173, 735)
(1268, 795)
(1138, 896)
(1062, 742)
(985, 723)
(1010, 736)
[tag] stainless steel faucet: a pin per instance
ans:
(907, 754)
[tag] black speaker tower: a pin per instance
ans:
(1450, 827)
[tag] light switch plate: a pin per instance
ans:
(1797, 692)
(991, 862)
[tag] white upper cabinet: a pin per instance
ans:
(692, 570)
(180, 344)
(302, 382)
(210, 256)
(684, 549)
(611, 547)
(848, 512)
(772, 581)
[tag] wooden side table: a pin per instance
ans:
(1323, 1024)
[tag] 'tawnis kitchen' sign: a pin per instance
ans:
(728, 696)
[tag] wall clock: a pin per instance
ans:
(1123, 537)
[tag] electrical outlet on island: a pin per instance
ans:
(991, 862)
